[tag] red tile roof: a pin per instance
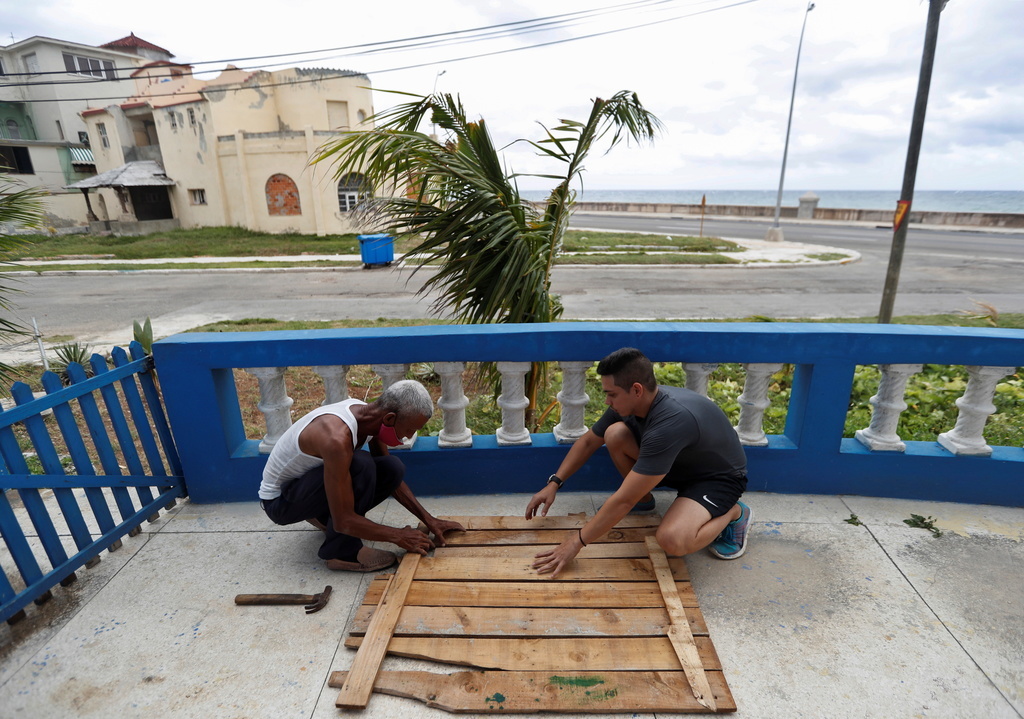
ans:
(131, 42)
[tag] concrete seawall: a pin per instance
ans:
(960, 219)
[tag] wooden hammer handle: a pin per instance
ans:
(268, 599)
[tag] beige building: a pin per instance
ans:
(44, 84)
(232, 150)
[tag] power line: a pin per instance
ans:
(550, 20)
(463, 58)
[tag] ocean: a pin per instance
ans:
(924, 200)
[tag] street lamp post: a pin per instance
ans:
(775, 232)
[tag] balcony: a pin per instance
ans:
(821, 617)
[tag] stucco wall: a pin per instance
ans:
(247, 163)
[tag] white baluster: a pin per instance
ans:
(513, 403)
(389, 374)
(275, 404)
(573, 398)
(453, 403)
(335, 379)
(697, 374)
(975, 406)
(754, 401)
(887, 405)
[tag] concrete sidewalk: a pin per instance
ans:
(820, 618)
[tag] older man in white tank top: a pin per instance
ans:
(319, 472)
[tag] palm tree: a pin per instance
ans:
(19, 207)
(494, 250)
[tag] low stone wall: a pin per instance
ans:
(963, 219)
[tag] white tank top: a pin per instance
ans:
(287, 462)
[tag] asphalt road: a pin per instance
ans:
(942, 272)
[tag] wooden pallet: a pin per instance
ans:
(618, 631)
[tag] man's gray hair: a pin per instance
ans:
(407, 397)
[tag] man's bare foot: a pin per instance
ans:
(318, 524)
(367, 560)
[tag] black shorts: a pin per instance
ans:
(717, 495)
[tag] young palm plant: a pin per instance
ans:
(494, 250)
(19, 207)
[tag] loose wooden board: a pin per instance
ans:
(488, 692)
(602, 638)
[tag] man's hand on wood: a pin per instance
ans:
(438, 527)
(542, 500)
(413, 540)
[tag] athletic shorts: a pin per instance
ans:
(716, 495)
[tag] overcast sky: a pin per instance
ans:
(720, 81)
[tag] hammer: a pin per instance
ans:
(313, 602)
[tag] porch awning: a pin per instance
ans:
(145, 173)
(81, 156)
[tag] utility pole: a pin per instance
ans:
(775, 232)
(899, 238)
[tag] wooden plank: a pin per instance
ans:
(541, 536)
(518, 569)
(72, 436)
(543, 654)
(591, 551)
(679, 634)
(119, 423)
(524, 622)
(475, 692)
(553, 593)
(572, 521)
(356, 692)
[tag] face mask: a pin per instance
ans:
(389, 436)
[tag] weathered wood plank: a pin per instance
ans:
(591, 551)
(573, 521)
(552, 593)
(543, 654)
(356, 692)
(476, 692)
(540, 536)
(519, 569)
(525, 621)
(679, 634)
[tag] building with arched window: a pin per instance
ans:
(235, 150)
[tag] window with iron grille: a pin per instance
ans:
(197, 197)
(352, 192)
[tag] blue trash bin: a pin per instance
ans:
(376, 250)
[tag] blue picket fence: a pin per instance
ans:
(61, 508)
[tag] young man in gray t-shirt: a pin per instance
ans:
(658, 436)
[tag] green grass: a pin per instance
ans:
(642, 258)
(239, 242)
(587, 241)
(198, 242)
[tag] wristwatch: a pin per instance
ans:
(555, 478)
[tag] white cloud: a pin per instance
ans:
(721, 81)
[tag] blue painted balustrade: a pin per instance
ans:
(811, 456)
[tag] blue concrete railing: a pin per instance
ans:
(810, 456)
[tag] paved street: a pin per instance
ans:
(943, 272)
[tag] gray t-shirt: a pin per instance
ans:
(685, 436)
